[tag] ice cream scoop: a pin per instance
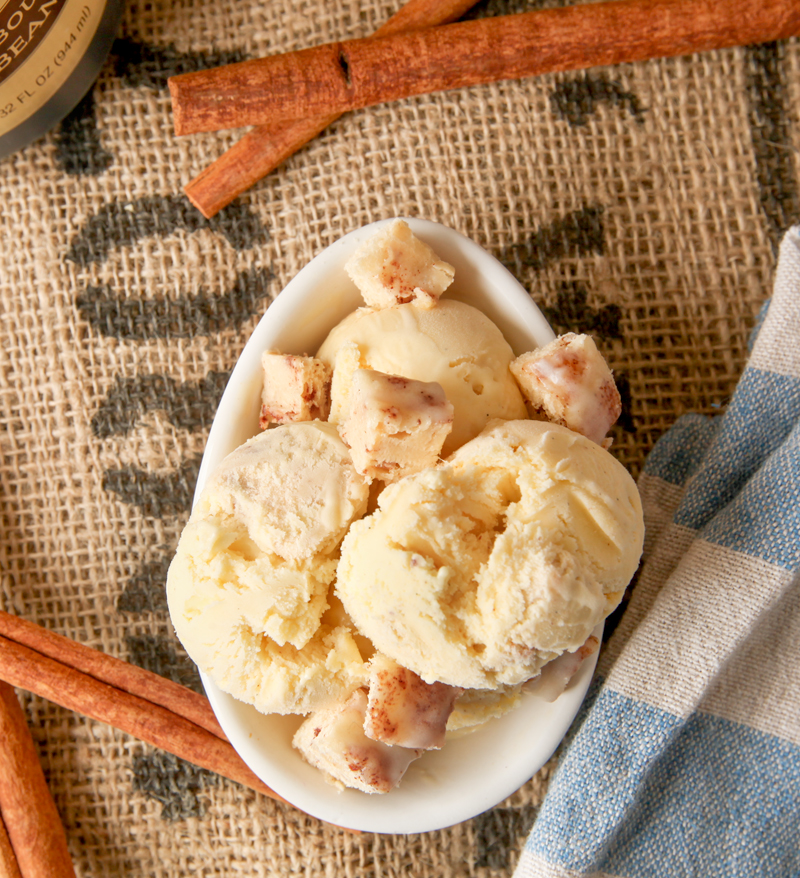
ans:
(452, 344)
(479, 571)
(248, 585)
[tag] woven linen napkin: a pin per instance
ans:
(687, 758)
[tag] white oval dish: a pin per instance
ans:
(471, 773)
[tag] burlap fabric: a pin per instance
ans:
(641, 203)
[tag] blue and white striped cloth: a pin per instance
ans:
(687, 760)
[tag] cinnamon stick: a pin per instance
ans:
(117, 673)
(34, 828)
(264, 148)
(62, 684)
(347, 75)
(9, 867)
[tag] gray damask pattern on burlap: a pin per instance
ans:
(641, 204)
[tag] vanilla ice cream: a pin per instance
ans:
(452, 344)
(249, 583)
(472, 573)
(479, 571)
